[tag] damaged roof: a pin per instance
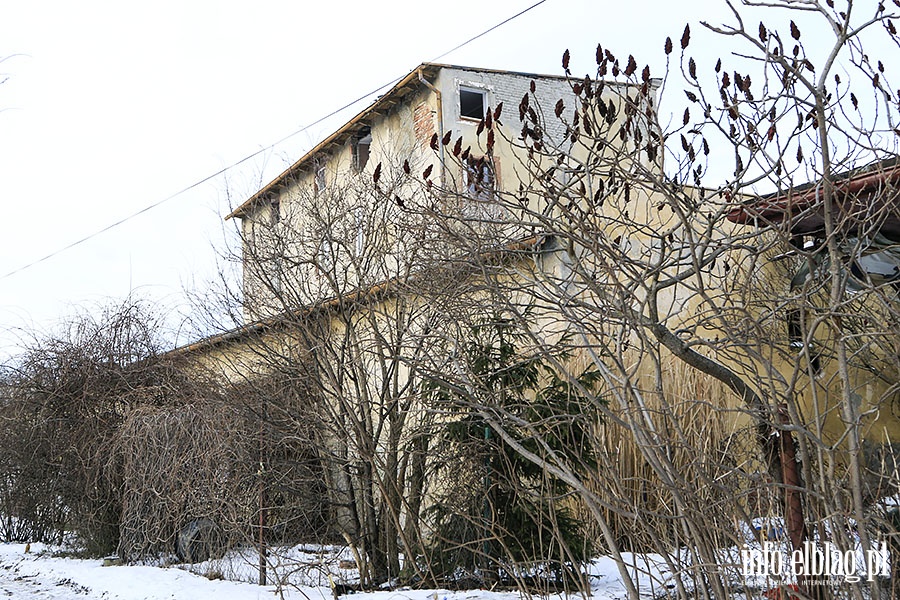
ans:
(382, 104)
(865, 199)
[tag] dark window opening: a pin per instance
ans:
(815, 363)
(274, 212)
(471, 104)
(797, 340)
(361, 143)
(795, 329)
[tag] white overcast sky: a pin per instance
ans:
(112, 106)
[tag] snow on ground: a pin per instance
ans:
(41, 575)
(305, 573)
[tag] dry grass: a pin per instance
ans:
(707, 464)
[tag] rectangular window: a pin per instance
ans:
(325, 255)
(472, 103)
(479, 177)
(361, 143)
(320, 178)
(277, 267)
(797, 340)
(795, 328)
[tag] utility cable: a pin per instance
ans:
(224, 170)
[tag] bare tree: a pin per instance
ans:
(65, 399)
(326, 277)
(746, 343)
(743, 342)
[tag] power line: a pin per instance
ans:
(483, 33)
(257, 153)
(193, 185)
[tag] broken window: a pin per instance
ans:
(361, 142)
(472, 103)
(797, 339)
(478, 197)
(879, 266)
(870, 262)
(479, 178)
(320, 178)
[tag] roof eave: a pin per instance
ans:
(377, 291)
(776, 207)
(273, 186)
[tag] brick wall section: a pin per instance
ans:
(509, 89)
(423, 121)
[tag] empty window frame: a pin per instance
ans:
(472, 103)
(320, 181)
(797, 339)
(361, 143)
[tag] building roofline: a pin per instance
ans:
(379, 104)
(782, 205)
(378, 291)
(275, 322)
(383, 102)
